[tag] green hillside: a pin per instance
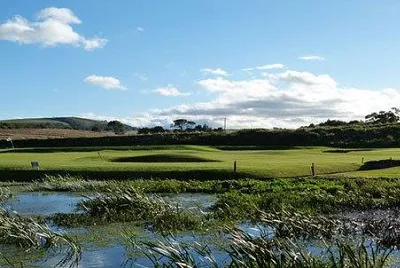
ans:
(57, 122)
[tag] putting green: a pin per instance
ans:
(258, 163)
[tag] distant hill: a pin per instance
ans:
(58, 123)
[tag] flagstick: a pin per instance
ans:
(12, 144)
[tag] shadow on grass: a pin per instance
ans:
(345, 151)
(255, 148)
(380, 164)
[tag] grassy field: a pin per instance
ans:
(273, 188)
(194, 162)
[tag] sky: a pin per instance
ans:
(258, 63)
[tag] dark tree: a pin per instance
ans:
(202, 128)
(190, 124)
(198, 128)
(180, 123)
(116, 126)
(158, 129)
(383, 117)
(144, 130)
(183, 124)
(96, 129)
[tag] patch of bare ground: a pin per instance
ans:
(48, 133)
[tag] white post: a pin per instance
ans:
(12, 144)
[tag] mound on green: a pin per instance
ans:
(380, 164)
(162, 158)
(345, 151)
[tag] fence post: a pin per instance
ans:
(313, 169)
(234, 167)
(362, 160)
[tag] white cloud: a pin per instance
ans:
(312, 57)
(139, 30)
(230, 90)
(265, 67)
(170, 91)
(94, 43)
(137, 120)
(51, 28)
(305, 78)
(287, 99)
(107, 82)
(218, 71)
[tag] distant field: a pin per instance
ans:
(46, 133)
(198, 162)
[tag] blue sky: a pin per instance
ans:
(259, 63)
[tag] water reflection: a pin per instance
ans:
(40, 203)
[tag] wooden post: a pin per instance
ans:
(234, 167)
(313, 169)
(362, 160)
(100, 156)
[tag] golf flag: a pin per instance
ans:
(9, 139)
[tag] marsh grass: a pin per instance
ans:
(130, 205)
(27, 233)
(4, 194)
(327, 196)
(65, 183)
(170, 253)
(361, 255)
(298, 224)
(386, 229)
(247, 251)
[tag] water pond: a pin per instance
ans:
(104, 246)
(49, 203)
(43, 203)
(107, 246)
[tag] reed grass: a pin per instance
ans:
(248, 251)
(27, 233)
(130, 205)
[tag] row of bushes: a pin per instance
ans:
(348, 136)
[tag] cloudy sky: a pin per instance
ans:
(259, 63)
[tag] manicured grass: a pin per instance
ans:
(216, 164)
(162, 158)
